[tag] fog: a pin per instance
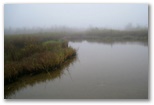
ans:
(116, 16)
(76, 51)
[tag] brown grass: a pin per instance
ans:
(26, 55)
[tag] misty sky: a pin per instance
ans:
(75, 15)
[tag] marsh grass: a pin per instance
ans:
(32, 55)
(25, 80)
(109, 35)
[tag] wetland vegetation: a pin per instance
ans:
(39, 78)
(38, 57)
(76, 51)
(32, 54)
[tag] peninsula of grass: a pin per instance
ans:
(27, 55)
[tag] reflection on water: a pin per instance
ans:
(102, 71)
(112, 41)
(39, 78)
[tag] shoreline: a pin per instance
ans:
(34, 57)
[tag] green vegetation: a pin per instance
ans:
(30, 54)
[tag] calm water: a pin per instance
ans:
(100, 71)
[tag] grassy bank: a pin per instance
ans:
(33, 54)
(37, 52)
(10, 89)
(108, 35)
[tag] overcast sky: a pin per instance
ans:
(75, 15)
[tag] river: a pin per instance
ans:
(100, 71)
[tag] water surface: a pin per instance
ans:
(101, 71)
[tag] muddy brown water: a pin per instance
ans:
(100, 71)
